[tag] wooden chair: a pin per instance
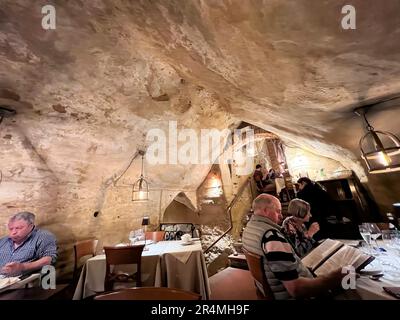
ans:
(255, 263)
(82, 249)
(123, 255)
(174, 230)
(155, 235)
(149, 293)
(383, 225)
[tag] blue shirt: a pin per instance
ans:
(38, 244)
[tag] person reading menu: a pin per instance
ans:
(332, 254)
(287, 276)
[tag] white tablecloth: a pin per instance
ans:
(166, 263)
(368, 289)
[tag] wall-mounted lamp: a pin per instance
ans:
(140, 190)
(379, 149)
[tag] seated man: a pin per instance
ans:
(258, 177)
(286, 274)
(264, 183)
(26, 248)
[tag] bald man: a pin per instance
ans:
(286, 274)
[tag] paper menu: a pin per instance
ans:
(320, 254)
(345, 256)
(7, 281)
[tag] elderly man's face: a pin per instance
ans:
(18, 230)
(278, 212)
(275, 213)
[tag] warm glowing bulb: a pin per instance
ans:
(142, 195)
(384, 158)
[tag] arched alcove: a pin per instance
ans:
(181, 209)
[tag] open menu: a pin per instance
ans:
(333, 254)
(8, 281)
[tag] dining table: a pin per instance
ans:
(173, 264)
(386, 263)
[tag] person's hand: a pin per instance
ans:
(313, 229)
(334, 279)
(13, 268)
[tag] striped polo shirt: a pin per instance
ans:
(38, 244)
(264, 237)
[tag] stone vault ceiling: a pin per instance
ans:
(90, 90)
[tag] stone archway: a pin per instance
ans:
(181, 209)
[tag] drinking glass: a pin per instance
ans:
(132, 237)
(395, 236)
(375, 232)
(365, 233)
(387, 237)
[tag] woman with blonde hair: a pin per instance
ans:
(295, 229)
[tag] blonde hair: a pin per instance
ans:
(298, 208)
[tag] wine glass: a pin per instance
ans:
(375, 232)
(387, 237)
(132, 237)
(365, 233)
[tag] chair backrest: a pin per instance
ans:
(255, 263)
(122, 255)
(174, 230)
(150, 293)
(155, 235)
(82, 249)
(383, 225)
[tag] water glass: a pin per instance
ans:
(132, 237)
(365, 233)
(387, 237)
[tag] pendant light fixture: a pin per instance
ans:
(379, 149)
(140, 190)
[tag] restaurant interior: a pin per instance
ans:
(133, 130)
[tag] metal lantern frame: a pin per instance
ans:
(140, 189)
(384, 151)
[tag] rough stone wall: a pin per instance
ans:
(302, 163)
(88, 92)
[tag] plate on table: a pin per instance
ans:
(371, 270)
(187, 243)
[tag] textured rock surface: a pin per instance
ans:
(87, 93)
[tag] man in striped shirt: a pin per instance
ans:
(26, 248)
(286, 274)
